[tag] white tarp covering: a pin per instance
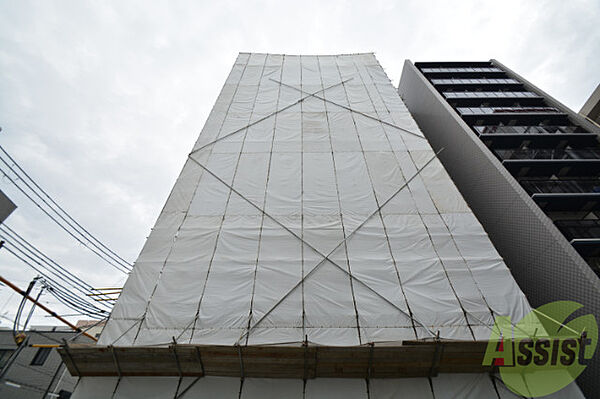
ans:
(351, 179)
(445, 386)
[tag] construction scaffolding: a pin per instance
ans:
(311, 234)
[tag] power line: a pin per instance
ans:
(114, 256)
(73, 228)
(67, 298)
(56, 288)
(19, 240)
(44, 308)
(41, 259)
(62, 297)
(61, 225)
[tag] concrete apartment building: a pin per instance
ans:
(529, 169)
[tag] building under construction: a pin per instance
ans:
(313, 246)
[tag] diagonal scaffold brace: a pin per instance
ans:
(325, 257)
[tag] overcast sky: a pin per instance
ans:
(102, 101)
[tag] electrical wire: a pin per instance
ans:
(63, 277)
(37, 299)
(59, 291)
(72, 227)
(62, 226)
(68, 301)
(91, 239)
(63, 272)
(16, 328)
(65, 300)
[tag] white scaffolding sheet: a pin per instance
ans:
(332, 164)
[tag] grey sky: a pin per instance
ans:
(101, 102)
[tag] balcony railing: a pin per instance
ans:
(506, 110)
(525, 129)
(482, 81)
(489, 94)
(576, 229)
(561, 186)
(549, 153)
(462, 69)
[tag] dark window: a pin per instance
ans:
(41, 356)
(64, 394)
(4, 356)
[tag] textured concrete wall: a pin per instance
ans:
(544, 264)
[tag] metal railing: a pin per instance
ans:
(561, 186)
(526, 129)
(506, 110)
(467, 81)
(489, 94)
(461, 69)
(549, 153)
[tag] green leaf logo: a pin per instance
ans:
(543, 353)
